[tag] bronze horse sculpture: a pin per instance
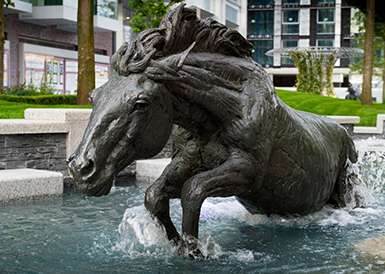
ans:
(238, 138)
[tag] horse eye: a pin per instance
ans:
(140, 105)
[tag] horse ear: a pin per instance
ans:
(168, 68)
(183, 55)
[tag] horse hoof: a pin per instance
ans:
(195, 254)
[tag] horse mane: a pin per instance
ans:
(179, 29)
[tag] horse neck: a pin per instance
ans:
(193, 117)
(213, 105)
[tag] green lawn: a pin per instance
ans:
(302, 101)
(332, 106)
(16, 110)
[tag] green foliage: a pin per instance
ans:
(330, 60)
(9, 3)
(315, 72)
(28, 90)
(324, 105)
(357, 64)
(41, 99)
(148, 13)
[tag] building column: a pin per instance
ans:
(304, 22)
(14, 54)
(277, 31)
(242, 18)
(337, 25)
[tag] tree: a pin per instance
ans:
(366, 96)
(315, 71)
(3, 3)
(374, 14)
(148, 13)
(86, 52)
(379, 47)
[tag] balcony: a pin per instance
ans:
(20, 6)
(63, 14)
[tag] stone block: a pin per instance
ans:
(149, 170)
(76, 121)
(22, 126)
(29, 183)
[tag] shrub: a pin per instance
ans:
(28, 90)
(49, 99)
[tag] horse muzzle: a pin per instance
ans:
(86, 179)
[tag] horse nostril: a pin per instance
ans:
(87, 168)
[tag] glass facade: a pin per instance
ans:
(325, 42)
(325, 21)
(259, 52)
(286, 60)
(284, 2)
(321, 2)
(260, 23)
(257, 3)
(58, 73)
(231, 14)
(47, 2)
(290, 23)
(106, 8)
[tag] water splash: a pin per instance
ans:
(141, 235)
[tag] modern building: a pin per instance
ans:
(232, 13)
(41, 41)
(273, 24)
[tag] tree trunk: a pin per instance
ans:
(86, 55)
(2, 41)
(366, 96)
(383, 78)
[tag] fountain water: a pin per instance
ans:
(86, 235)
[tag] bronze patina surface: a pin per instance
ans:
(236, 137)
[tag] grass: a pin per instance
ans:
(16, 110)
(301, 101)
(332, 106)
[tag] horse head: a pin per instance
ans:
(131, 119)
(133, 112)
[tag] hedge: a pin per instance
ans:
(42, 99)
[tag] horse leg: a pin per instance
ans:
(233, 177)
(168, 186)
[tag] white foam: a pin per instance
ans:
(141, 235)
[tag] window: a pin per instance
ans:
(231, 14)
(71, 76)
(322, 2)
(258, 3)
(290, 2)
(259, 52)
(6, 64)
(325, 21)
(101, 74)
(260, 24)
(59, 73)
(47, 2)
(325, 42)
(106, 8)
(290, 23)
(286, 60)
(35, 69)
